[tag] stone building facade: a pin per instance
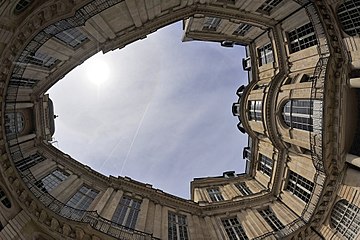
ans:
(300, 110)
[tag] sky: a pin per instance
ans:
(157, 111)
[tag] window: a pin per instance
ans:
(29, 161)
(41, 59)
(255, 110)
(302, 37)
(242, 29)
(127, 212)
(345, 218)
(71, 37)
(4, 199)
(177, 227)
(211, 23)
(52, 180)
(300, 186)
(23, 82)
(22, 5)
(234, 229)
(348, 14)
(271, 219)
(14, 122)
(82, 198)
(215, 194)
(244, 190)
(268, 6)
(265, 54)
(298, 114)
(265, 165)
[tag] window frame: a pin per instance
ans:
(127, 212)
(265, 165)
(82, 203)
(302, 37)
(271, 219)
(255, 110)
(345, 218)
(343, 11)
(211, 24)
(243, 188)
(215, 194)
(296, 114)
(265, 54)
(298, 186)
(177, 226)
(234, 229)
(268, 6)
(52, 180)
(4, 199)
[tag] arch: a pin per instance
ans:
(345, 218)
(348, 15)
(4, 199)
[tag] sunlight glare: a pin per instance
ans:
(97, 71)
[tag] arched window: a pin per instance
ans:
(298, 114)
(348, 14)
(14, 122)
(22, 5)
(345, 218)
(4, 200)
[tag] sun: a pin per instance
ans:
(97, 71)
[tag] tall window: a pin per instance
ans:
(302, 37)
(82, 198)
(127, 212)
(300, 186)
(52, 180)
(4, 199)
(233, 229)
(271, 219)
(177, 227)
(29, 161)
(268, 6)
(23, 82)
(348, 14)
(42, 59)
(242, 29)
(265, 54)
(298, 114)
(14, 122)
(345, 217)
(265, 165)
(211, 23)
(215, 194)
(72, 37)
(243, 188)
(255, 110)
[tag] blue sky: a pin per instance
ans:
(158, 111)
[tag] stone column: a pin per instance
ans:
(103, 200)
(141, 222)
(210, 228)
(355, 82)
(110, 208)
(197, 228)
(65, 190)
(157, 221)
(164, 222)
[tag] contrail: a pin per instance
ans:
(135, 135)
